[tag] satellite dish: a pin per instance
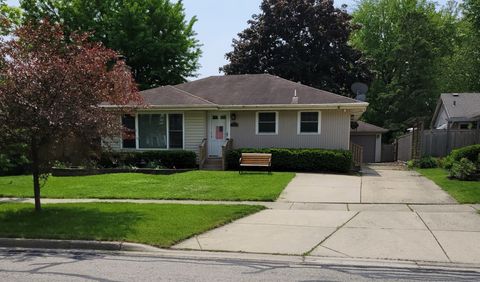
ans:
(360, 90)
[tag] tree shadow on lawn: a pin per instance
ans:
(62, 221)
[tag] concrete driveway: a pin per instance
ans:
(378, 184)
(384, 214)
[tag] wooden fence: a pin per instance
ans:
(435, 142)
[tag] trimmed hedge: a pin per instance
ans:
(311, 160)
(471, 153)
(179, 159)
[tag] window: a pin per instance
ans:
(309, 123)
(152, 131)
(267, 123)
(128, 133)
(175, 131)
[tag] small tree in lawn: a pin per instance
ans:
(51, 86)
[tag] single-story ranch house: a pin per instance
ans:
(240, 111)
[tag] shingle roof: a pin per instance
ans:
(461, 105)
(367, 127)
(250, 89)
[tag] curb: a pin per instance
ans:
(146, 250)
(74, 244)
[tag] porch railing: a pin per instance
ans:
(228, 145)
(202, 153)
(357, 154)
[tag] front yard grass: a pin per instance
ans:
(193, 185)
(160, 225)
(465, 192)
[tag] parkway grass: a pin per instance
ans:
(193, 185)
(159, 225)
(465, 192)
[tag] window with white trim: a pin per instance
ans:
(267, 123)
(309, 122)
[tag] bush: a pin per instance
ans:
(298, 159)
(14, 160)
(424, 162)
(463, 169)
(470, 152)
(149, 159)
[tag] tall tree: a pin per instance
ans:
(462, 67)
(300, 40)
(154, 35)
(406, 41)
(51, 89)
(9, 18)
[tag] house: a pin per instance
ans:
(457, 111)
(240, 111)
(368, 136)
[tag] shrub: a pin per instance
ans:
(13, 159)
(470, 152)
(299, 159)
(169, 159)
(424, 162)
(463, 169)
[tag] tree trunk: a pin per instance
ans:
(36, 175)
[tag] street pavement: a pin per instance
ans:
(28, 265)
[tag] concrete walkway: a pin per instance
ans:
(385, 214)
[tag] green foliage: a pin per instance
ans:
(469, 152)
(463, 169)
(13, 159)
(159, 225)
(154, 35)
(9, 18)
(305, 41)
(299, 159)
(424, 162)
(150, 159)
(192, 185)
(405, 40)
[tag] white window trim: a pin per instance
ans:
(319, 128)
(266, 133)
(137, 137)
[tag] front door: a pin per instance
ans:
(218, 133)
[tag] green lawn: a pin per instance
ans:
(195, 185)
(156, 224)
(465, 192)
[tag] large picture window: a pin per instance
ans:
(309, 122)
(160, 131)
(152, 131)
(267, 123)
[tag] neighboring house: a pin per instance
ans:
(248, 111)
(369, 136)
(457, 111)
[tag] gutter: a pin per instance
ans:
(336, 106)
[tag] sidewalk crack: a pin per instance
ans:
(330, 235)
(435, 237)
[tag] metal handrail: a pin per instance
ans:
(202, 153)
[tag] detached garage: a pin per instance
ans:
(368, 136)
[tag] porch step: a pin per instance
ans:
(213, 164)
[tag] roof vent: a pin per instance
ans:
(295, 97)
(454, 103)
(455, 94)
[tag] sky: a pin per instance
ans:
(219, 21)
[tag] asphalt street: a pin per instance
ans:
(38, 265)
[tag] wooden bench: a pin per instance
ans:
(256, 160)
